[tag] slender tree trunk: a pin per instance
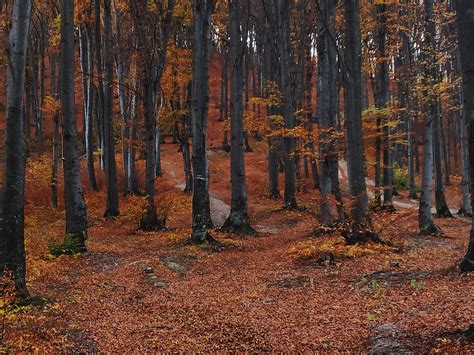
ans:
(100, 107)
(425, 218)
(76, 216)
(326, 97)
(361, 222)
(112, 208)
(465, 22)
(442, 209)
(238, 220)
(466, 207)
(12, 247)
(382, 101)
(202, 10)
(55, 150)
(89, 131)
(287, 85)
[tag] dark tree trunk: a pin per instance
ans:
(288, 89)
(112, 208)
(76, 217)
(442, 209)
(361, 222)
(202, 10)
(89, 131)
(55, 150)
(382, 102)
(12, 247)
(326, 95)
(465, 22)
(238, 220)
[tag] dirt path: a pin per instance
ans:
(219, 209)
(405, 204)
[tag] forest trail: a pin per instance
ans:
(397, 203)
(137, 291)
(220, 210)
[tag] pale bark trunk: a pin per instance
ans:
(425, 218)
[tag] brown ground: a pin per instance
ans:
(148, 291)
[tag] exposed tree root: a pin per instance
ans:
(444, 212)
(432, 230)
(275, 195)
(361, 236)
(150, 221)
(238, 226)
(325, 230)
(465, 213)
(200, 239)
(111, 213)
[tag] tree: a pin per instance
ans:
(153, 28)
(202, 10)
(12, 248)
(76, 216)
(425, 219)
(361, 222)
(238, 220)
(382, 100)
(112, 209)
(465, 22)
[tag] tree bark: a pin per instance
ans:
(238, 220)
(361, 222)
(202, 10)
(112, 208)
(76, 216)
(12, 248)
(465, 21)
(425, 218)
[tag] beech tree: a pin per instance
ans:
(426, 223)
(238, 220)
(201, 215)
(361, 222)
(12, 215)
(465, 22)
(76, 216)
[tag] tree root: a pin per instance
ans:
(111, 213)
(150, 221)
(464, 213)
(240, 228)
(361, 237)
(444, 212)
(432, 230)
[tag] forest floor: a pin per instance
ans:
(135, 291)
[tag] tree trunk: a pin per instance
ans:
(382, 102)
(76, 217)
(465, 22)
(425, 218)
(112, 208)
(238, 220)
(12, 248)
(55, 150)
(361, 222)
(288, 90)
(326, 101)
(202, 10)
